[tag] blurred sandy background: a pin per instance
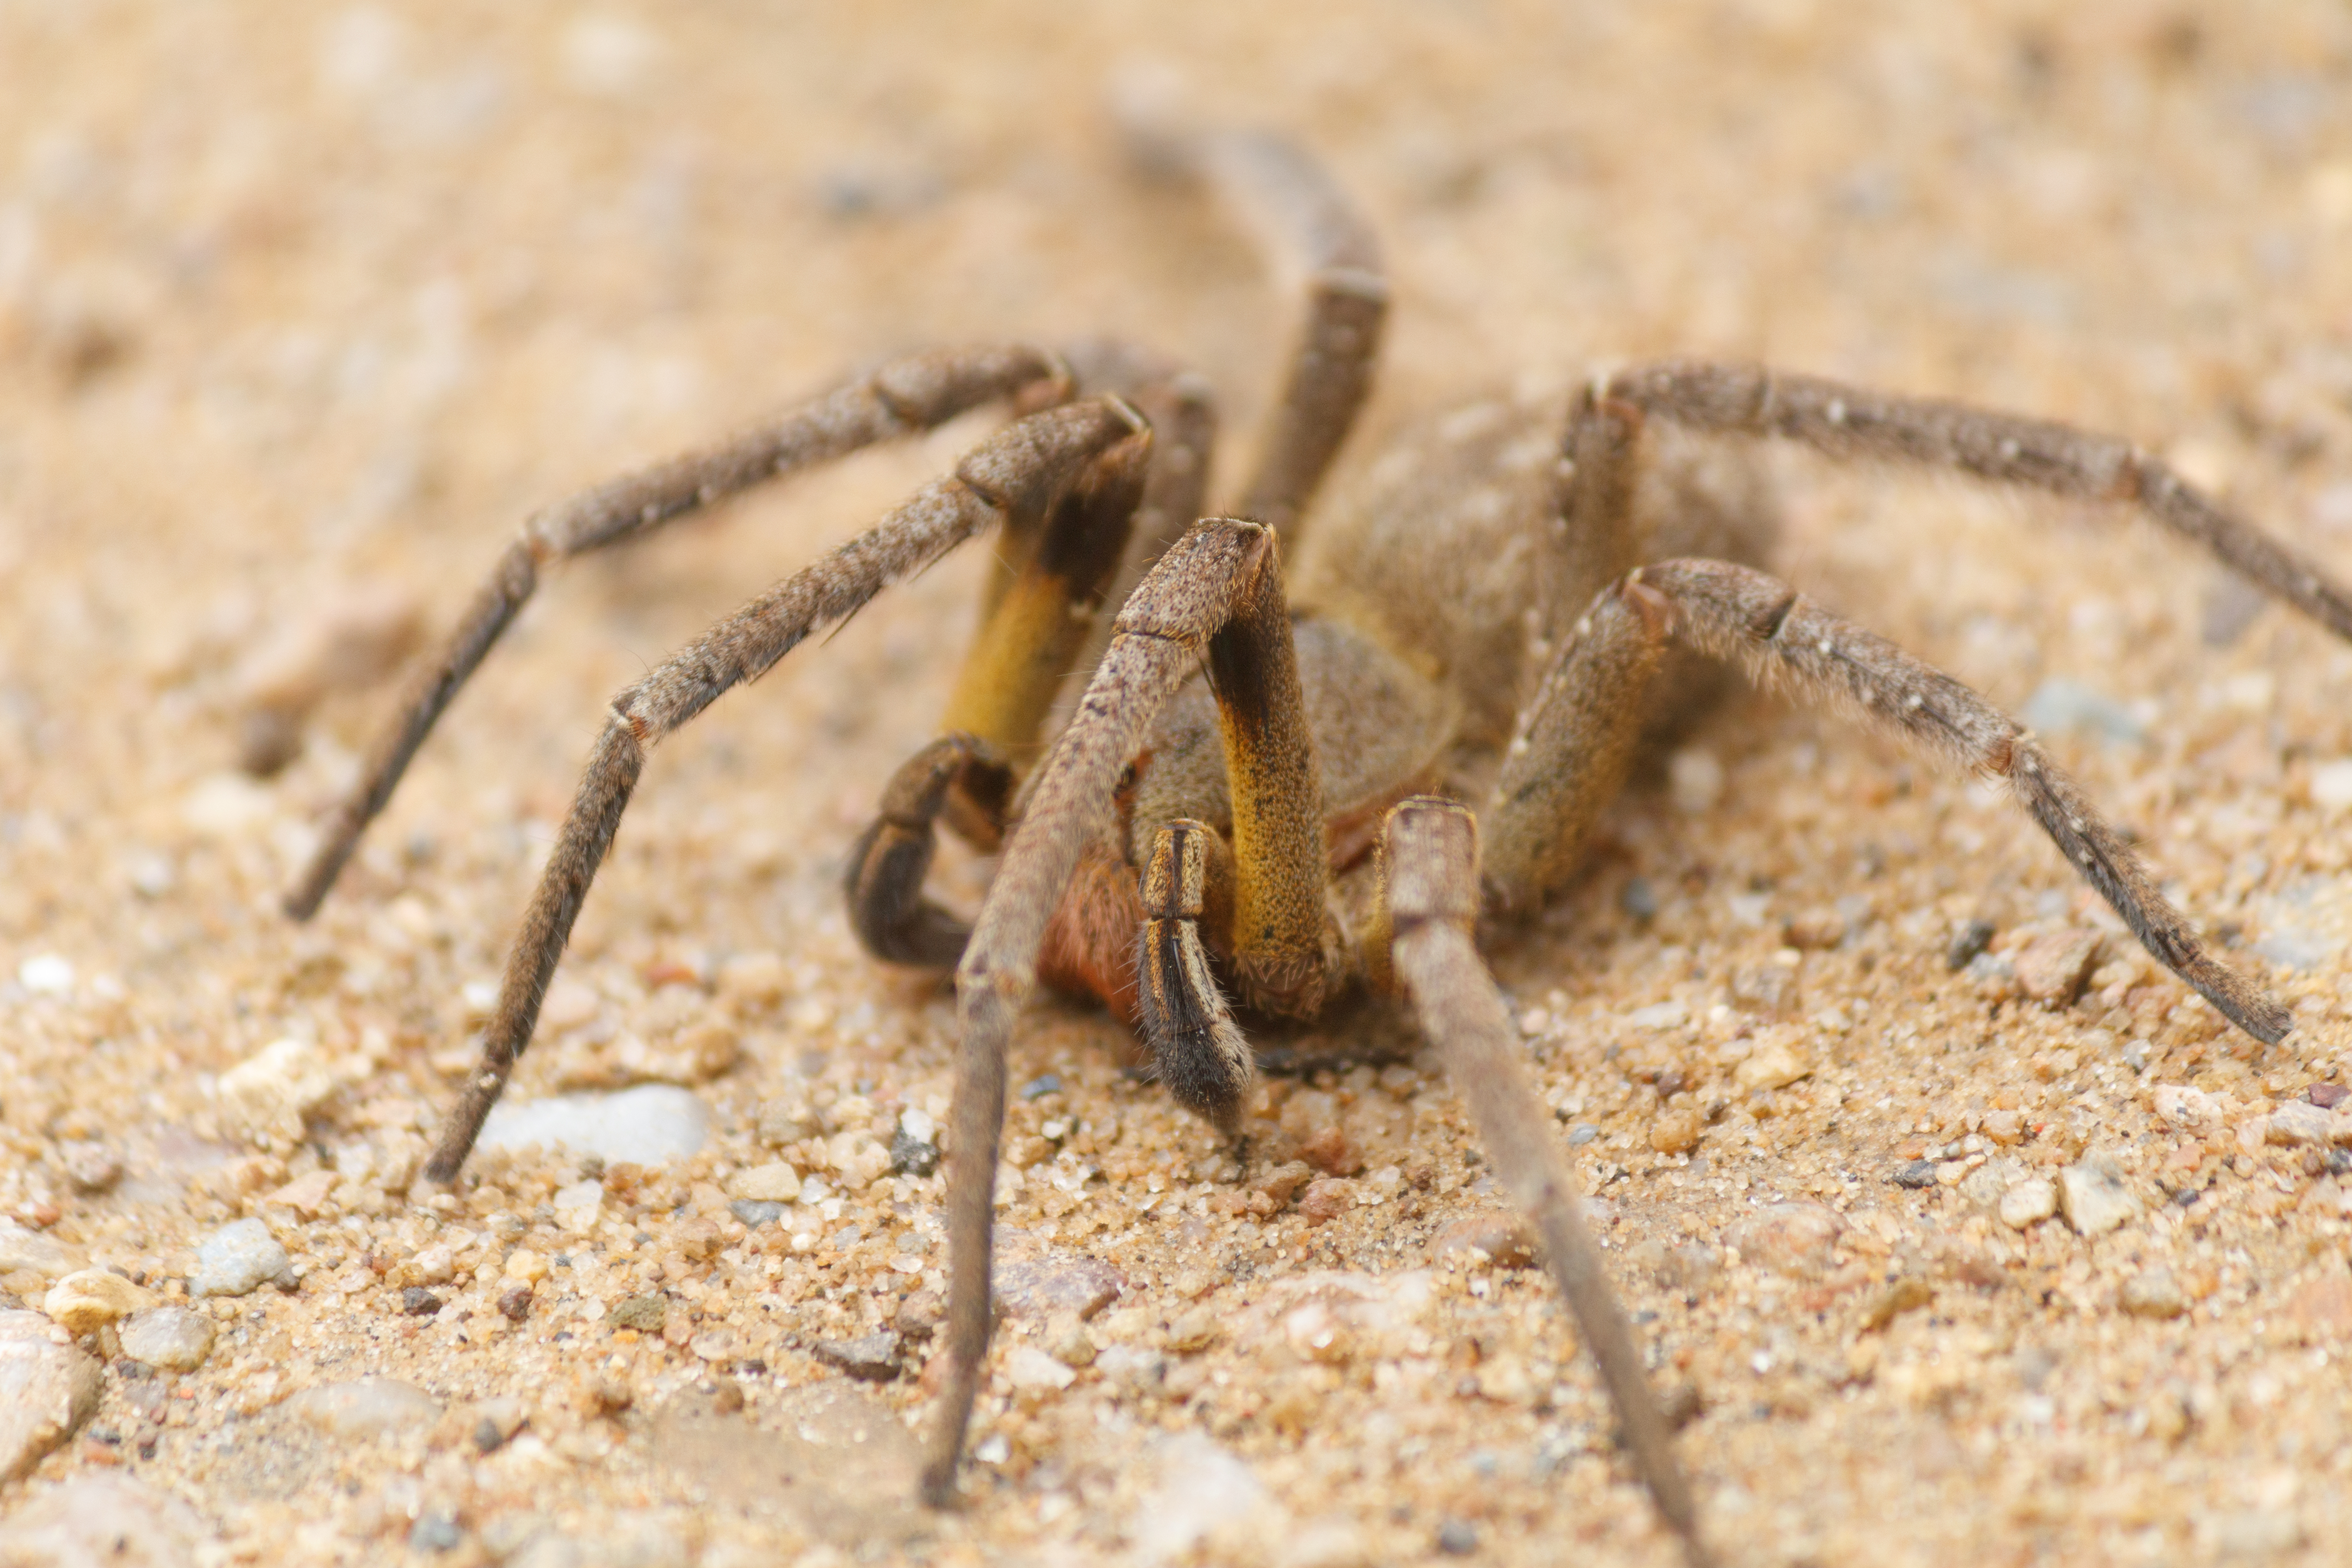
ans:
(302, 309)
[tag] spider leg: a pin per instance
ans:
(900, 398)
(1305, 220)
(1569, 754)
(1039, 620)
(1849, 422)
(1737, 613)
(1429, 895)
(884, 884)
(1162, 632)
(1020, 469)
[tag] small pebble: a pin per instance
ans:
(1639, 899)
(237, 1259)
(1581, 1134)
(1914, 1173)
(1033, 1371)
(1497, 1237)
(2298, 1122)
(435, 1530)
(2328, 1096)
(1456, 1538)
(911, 1155)
(646, 1314)
(1905, 1295)
(1040, 1086)
(755, 1214)
(1774, 1064)
(1284, 1182)
(652, 1124)
(2093, 1197)
(92, 1168)
(2028, 1203)
(1675, 1133)
(2153, 1293)
(416, 1302)
(1327, 1198)
(773, 1182)
(47, 975)
(870, 1358)
(1194, 1330)
(173, 1338)
(89, 1298)
(1057, 1284)
(266, 1096)
(1789, 1239)
(1968, 943)
(514, 1305)
(2052, 967)
(366, 1409)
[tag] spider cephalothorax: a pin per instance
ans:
(1263, 799)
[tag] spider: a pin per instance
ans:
(1258, 803)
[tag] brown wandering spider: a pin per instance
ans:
(1258, 803)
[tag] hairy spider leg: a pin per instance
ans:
(1429, 900)
(1036, 623)
(903, 397)
(1022, 469)
(1851, 423)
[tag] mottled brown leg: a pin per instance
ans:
(1162, 632)
(1307, 223)
(884, 885)
(1430, 886)
(1020, 659)
(1575, 742)
(900, 398)
(1022, 468)
(1852, 423)
(1783, 639)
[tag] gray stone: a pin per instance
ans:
(101, 1517)
(2093, 1197)
(173, 1338)
(237, 1259)
(652, 1124)
(48, 1389)
(870, 1358)
(366, 1409)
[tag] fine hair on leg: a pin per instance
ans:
(1310, 228)
(1851, 423)
(1429, 885)
(1161, 634)
(901, 398)
(1020, 470)
(1784, 640)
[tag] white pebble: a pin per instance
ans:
(237, 1259)
(2331, 785)
(652, 1124)
(45, 974)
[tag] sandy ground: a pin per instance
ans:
(301, 310)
